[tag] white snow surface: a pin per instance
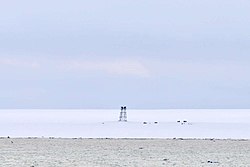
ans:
(201, 123)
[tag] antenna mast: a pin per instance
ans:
(123, 114)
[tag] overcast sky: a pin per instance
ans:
(140, 53)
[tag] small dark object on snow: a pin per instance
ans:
(165, 159)
(211, 162)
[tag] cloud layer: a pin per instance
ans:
(157, 54)
(111, 67)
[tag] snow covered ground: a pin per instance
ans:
(201, 123)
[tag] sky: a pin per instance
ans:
(140, 53)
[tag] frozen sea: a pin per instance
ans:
(201, 123)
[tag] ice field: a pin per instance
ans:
(199, 123)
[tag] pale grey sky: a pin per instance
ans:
(139, 53)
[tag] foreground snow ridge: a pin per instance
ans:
(171, 123)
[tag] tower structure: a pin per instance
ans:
(123, 114)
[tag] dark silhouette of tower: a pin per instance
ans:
(123, 114)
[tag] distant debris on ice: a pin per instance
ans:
(184, 122)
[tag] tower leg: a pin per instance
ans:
(125, 115)
(121, 114)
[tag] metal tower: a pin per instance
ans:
(123, 114)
